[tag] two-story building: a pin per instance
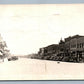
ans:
(75, 46)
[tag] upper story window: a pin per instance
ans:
(73, 46)
(77, 45)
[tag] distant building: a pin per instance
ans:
(49, 49)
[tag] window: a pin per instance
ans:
(77, 45)
(82, 45)
(73, 46)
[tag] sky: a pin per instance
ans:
(26, 28)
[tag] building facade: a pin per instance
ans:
(71, 47)
(75, 47)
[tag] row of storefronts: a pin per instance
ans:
(71, 47)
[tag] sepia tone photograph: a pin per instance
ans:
(41, 42)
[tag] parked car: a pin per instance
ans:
(13, 58)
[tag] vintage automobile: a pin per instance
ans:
(13, 58)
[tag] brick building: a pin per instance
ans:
(75, 46)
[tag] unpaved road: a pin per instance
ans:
(32, 69)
